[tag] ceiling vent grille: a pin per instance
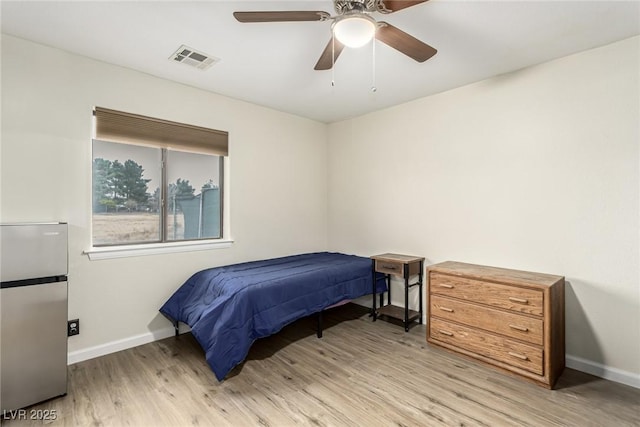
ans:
(194, 58)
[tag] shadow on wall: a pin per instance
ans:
(580, 338)
(160, 323)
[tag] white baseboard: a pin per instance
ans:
(573, 362)
(602, 371)
(119, 345)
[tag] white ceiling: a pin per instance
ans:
(271, 64)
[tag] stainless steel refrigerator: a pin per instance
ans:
(33, 313)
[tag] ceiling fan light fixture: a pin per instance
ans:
(354, 30)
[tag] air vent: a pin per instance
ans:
(194, 58)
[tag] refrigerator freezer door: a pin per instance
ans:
(31, 251)
(33, 355)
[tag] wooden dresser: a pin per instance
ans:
(511, 319)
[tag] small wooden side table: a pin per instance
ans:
(404, 267)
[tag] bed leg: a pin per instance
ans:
(176, 328)
(319, 326)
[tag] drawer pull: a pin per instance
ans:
(447, 333)
(389, 267)
(519, 328)
(442, 285)
(520, 300)
(447, 309)
(519, 356)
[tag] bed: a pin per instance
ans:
(229, 307)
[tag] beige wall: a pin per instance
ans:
(278, 187)
(535, 170)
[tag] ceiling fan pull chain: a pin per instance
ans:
(373, 67)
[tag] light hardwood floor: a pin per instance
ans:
(360, 373)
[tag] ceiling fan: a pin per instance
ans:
(352, 26)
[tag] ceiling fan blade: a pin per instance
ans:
(403, 42)
(396, 5)
(325, 62)
(282, 16)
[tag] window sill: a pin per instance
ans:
(110, 252)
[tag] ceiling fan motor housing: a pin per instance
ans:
(345, 6)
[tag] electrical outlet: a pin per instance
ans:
(73, 327)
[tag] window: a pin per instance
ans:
(155, 181)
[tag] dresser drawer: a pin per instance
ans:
(513, 325)
(488, 345)
(516, 299)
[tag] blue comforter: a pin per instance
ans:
(229, 307)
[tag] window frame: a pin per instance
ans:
(163, 245)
